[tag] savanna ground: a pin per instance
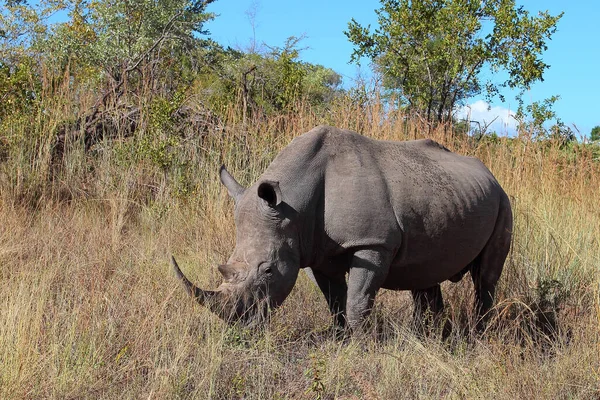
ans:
(89, 307)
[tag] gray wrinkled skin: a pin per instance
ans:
(395, 215)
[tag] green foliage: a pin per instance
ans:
(271, 82)
(118, 49)
(131, 83)
(20, 26)
(157, 151)
(533, 120)
(320, 84)
(162, 110)
(431, 52)
(538, 113)
(119, 36)
(157, 147)
(290, 74)
(118, 58)
(595, 134)
(18, 91)
(104, 65)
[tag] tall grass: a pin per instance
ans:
(89, 308)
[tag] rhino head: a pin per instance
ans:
(264, 265)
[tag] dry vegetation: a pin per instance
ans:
(89, 308)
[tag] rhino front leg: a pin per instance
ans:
(368, 270)
(335, 290)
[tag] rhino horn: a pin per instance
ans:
(233, 271)
(234, 189)
(214, 300)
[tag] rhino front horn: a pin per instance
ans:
(212, 299)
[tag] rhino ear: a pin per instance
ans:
(269, 191)
(234, 189)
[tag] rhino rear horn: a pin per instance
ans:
(233, 271)
(234, 189)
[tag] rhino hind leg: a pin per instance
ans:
(487, 267)
(428, 301)
(428, 314)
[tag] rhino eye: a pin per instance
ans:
(266, 268)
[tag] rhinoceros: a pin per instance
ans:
(362, 214)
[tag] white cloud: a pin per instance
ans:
(482, 112)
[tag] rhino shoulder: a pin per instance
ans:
(319, 133)
(330, 139)
(431, 144)
(314, 139)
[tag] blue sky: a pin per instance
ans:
(573, 52)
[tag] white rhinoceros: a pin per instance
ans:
(395, 215)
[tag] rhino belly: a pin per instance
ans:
(422, 276)
(424, 262)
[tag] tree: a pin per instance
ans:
(535, 119)
(111, 37)
(130, 54)
(432, 52)
(595, 134)
(267, 82)
(20, 25)
(127, 40)
(121, 56)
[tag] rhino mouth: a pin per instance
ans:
(227, 302)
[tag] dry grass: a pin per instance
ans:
(89, 309)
